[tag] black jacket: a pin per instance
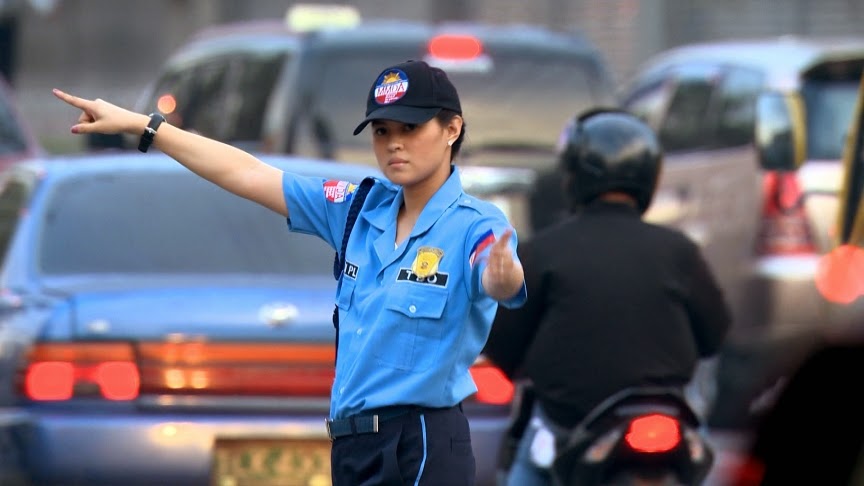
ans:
(613, 302)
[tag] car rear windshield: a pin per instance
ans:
(168, 222)
(510, 100)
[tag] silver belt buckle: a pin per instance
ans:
(375, 423)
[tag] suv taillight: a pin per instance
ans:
(840, 274)
(784, 227)
(57, 372)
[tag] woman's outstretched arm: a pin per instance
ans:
(224, 165)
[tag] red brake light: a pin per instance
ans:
(840, 274)
(493, 387)
(653, 433)
(50, 381)
(785, 229)
(62, 371)
(118, 380)
(455, 47)
(750, 472)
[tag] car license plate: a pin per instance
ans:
(271, 462)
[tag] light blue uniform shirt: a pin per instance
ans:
(403, 339)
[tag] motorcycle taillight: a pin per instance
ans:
(653, 433)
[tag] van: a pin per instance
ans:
(754, 132)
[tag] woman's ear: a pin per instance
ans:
(454, 127)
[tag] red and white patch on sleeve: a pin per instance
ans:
(481, 244)
(339, 191)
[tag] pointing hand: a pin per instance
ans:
(99, 116)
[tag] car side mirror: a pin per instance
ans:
(780, 131)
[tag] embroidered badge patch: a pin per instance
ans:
(426, 263)
(339, 191)
(390, 87)
(482, 243)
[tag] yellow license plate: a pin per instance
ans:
(271, 462)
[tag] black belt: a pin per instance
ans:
(367, 423)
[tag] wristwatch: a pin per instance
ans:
(146, 141)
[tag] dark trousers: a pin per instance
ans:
(423, 447)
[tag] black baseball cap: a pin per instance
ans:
(410, 92)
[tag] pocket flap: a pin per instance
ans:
(427, 302)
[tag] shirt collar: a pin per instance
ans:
(443, 198)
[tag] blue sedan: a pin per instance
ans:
(155, 329)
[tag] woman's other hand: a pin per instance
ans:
(503, 276)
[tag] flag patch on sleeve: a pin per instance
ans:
(482, 243)
(339, 191)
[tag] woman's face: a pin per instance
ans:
(413, 154)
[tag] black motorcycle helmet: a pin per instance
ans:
(607, 149)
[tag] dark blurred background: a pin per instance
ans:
(111, 48)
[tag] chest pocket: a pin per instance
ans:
(413, 329)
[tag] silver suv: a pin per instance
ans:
(763, 207)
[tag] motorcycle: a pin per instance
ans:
(639, 436)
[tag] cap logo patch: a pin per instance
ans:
(391, 86)
(339, 191)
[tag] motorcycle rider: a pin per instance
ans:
(614, 302)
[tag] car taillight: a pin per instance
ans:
(840, 274)
(57, 372)
(653, 433)
(750, 472)
(240, 369)
(493, 387)
(784, 229)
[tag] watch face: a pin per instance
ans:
(156, 119)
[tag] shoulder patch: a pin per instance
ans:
(339, 191)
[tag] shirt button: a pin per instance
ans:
(359, 331)
(342, 390)
(412, 308)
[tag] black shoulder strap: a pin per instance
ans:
(339, 260)
(353, 212)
